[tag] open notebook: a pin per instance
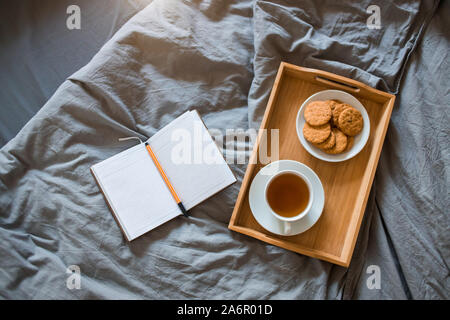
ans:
(134, 189)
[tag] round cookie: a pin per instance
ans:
(317, 113)
(351, 121)
(333, 104)
(341, 142)
(328, 143)
(350, 141)
(316, 134)
(337, 111)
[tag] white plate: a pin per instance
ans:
(261, 210)
(360, 139)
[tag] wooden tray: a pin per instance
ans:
(347, 184)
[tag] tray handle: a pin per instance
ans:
(338, 84)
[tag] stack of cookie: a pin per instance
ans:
(331, 125)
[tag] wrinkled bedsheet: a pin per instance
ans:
(38, 52)
(221, 58)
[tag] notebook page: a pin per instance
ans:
(191, 160)
(135, 191)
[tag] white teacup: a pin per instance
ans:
(287, 221)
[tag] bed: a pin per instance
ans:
(221, 57)
(39, 52)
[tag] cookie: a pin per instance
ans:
(333, 104)
(337, 111)
(328, 143)
(341, 142)
(350, 141)
(316, 134)
(317, 113)
(350, 121)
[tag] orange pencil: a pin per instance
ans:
(166, 180)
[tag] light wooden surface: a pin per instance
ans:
(347, 184)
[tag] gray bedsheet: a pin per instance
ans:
(221, 58)
(38, 52)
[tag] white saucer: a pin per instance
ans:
(360, 139)
(261, 210)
